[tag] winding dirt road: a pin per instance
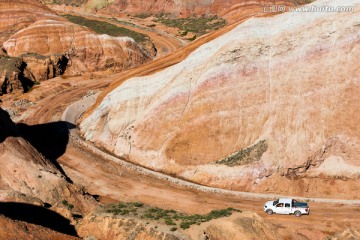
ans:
(113, 182)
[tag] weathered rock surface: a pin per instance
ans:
(25, 171)
(19, 74)
(14, 77)
(85, 50)
(45, 67)
(16, 15)
(281, 93)
(228, 9)
(245, 226)
(107, 227)
(16, 230)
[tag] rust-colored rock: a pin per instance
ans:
(16, 15)
(107, 227)
(276, 92)
(85, 50)
(45, 67)
(14, 77)
(17, 230)
(231, 10)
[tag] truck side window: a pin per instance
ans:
(287, 205)
(280, 205)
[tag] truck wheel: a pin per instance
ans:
(269, 211)
(297, 213)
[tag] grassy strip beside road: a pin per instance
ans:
(168, 217)
(106, 28)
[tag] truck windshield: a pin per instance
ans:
(276, 202)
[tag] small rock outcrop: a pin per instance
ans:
(45, 67)
(19, 74)
(13, 75)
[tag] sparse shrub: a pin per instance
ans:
(67, 204)
(168, 221)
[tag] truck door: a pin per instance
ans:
(280, 208)
(287, 208)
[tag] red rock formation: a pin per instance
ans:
(16, 15)
(231, 10)
(13, 75)
(85, 50)
(45, 67)
(273, 95)
(27, 176)
(16, 230)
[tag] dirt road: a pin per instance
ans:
(112, 182)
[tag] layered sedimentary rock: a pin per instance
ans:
(27, 176)
(276, 95)
(231, 10)
(19, 74)
(16, 15)
(45, 67)
(13, 75)
(85, 50)
(11, 229)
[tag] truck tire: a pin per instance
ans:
(297, 213)
(269, 211)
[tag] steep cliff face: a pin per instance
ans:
(45, 67)
(10, 229)
(27, 176)
(273, 95)
(13, 75)
(85, 50)
(19, 74)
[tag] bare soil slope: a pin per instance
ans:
(239, 110)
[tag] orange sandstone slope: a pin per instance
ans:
(86, 50)
(275, 96)
(30, 27)
(231, 10)
(16, 230)
(228, 9)
(16, 15)
(29, 176)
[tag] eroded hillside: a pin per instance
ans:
(272, 99)
(47, 45)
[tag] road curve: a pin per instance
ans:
(115, 180)
(75, 110)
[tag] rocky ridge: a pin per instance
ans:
(231, 10)
(51, 46)
(281, 81)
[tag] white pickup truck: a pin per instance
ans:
(287, 206)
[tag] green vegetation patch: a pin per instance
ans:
(143, 15)
(107, 28)
(172, 218)
(75, 3)
(67, 204)
(246, 155)
(197, 25)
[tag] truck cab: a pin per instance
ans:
(286, 206)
